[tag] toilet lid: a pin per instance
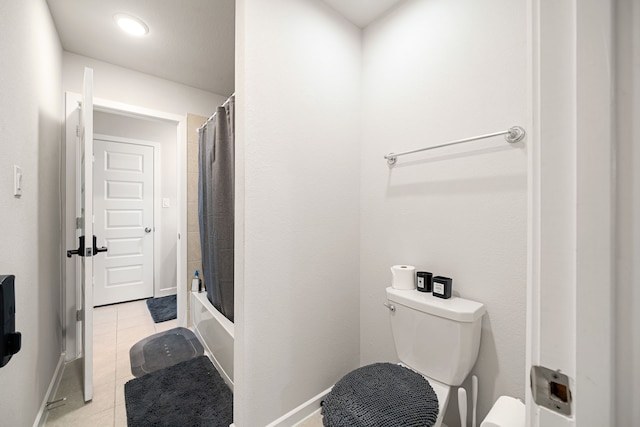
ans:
(381, 395)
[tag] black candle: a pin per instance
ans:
(442, 287)
(425, 280)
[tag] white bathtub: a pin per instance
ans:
(215, 332)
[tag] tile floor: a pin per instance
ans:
(315, 420)
(116, 329)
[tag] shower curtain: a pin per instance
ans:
(216, 185)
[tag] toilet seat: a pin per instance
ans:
(442, 391)
(383, 394)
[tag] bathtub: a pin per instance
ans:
(215, 332)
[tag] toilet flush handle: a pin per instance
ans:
(391, 307)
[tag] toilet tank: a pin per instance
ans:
(439, 338)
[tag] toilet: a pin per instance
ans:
(437, 338)
(506, 412)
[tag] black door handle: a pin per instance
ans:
(72, 252)
(84, 251)
(96, 249)
(79, 251)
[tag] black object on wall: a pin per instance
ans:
(10, 341)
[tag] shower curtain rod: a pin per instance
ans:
(224, 104)
(512, 135)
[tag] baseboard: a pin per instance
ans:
(165, 292)
(41, 417)
(303, 411)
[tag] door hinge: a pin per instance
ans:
(79, 315)
(79, 223)
(77, 130)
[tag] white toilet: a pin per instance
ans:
(438, 338)
(506, 412)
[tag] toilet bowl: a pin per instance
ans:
(506, 412)
(442, 392)
(438, 339)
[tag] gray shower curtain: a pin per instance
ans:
(216, 185)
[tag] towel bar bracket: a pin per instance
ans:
(516, 134)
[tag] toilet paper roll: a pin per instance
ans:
(403, 277)
(506, 412)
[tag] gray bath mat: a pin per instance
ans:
(163, 308)
(381, 395)
(191, 393)
(164, 349)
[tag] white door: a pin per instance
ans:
(123, 211)
(85, 203)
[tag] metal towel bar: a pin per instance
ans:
(512, 135)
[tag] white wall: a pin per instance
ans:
(146, 129)
(166, 225)
(122, 85)
(115, 83)
(627, 376)
(437, 71)
(298, 79)
(30, 113)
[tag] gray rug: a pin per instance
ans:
(164, 349)
(163, 308)
(381, 395)
(191, 393)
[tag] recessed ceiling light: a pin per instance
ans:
(131, 25)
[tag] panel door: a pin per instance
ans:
(123, 204)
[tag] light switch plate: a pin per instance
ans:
(17, 181)
(165, 203)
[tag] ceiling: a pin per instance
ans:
(191, 45)
(362, 12)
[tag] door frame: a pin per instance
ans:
(157, 157)
(69, 293)
(571, 146)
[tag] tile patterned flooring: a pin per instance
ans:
(315, 420)
(116, 329)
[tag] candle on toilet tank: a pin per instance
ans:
(425, 280)
(442, 287)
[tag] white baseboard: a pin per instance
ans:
(303, 411)
(41, 417)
